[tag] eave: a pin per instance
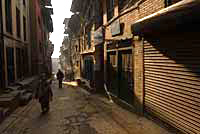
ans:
(181, 16)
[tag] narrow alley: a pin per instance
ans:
(74, 111)
(127, 66)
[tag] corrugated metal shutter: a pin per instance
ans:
(172, 83)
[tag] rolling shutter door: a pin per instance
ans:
(172, 84)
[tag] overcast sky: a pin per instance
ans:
(61, 10)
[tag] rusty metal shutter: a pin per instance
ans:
(172, 83)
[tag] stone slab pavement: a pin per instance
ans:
(74, 111)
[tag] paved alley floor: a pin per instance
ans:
(73, 111)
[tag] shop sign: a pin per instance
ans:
(98, 36)
(115, 28)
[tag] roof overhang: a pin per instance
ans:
(181, 16)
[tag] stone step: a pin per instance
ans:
(1, 114)
(24, 99)
(6, 112)
(10, 100)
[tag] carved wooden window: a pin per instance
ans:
(110, 9)
(170, 2)
(18, 22)
(24, 24)
(8, 16)
(122, 3)
(24, 2)
(89, 39)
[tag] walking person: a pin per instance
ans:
(60, 77)
(44, 93)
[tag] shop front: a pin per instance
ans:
(171, 75)
(120, 70)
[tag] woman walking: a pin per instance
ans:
(44, 93)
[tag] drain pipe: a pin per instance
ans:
(2, 45)
(108, 93)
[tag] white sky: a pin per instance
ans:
(61, 10)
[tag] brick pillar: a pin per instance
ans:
(15, 63)
(104, 12)
(116, 8)
(138, 74)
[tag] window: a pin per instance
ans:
(99, 14)
(1, 16)
(1, 66)
(122, 3)
(24, 2)
(26, 69)
(22, 62)
(18, 22)
(41, 49)
(77, 63)
(39, 23)
(110, 9)
(89, 14)
(8, 16)
(10, 65)
(79, 45)
(170, 2)
(89, 39)
(19, 63)
(24, 24)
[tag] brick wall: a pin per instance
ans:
(138, 74)
(128, 17)
(145, 8)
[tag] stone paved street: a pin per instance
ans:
(73, 111)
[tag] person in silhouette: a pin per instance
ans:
(44, 93)
(60, 77)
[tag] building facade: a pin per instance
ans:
(15, 16)
(2, 78)
(67, 53)
(20, 35)
(71, 47)
(90, 38)
(150, 55)
(40, 27)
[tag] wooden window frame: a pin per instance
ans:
(89, 39)
(24, 25)
(18, 23)
(99, 14)
(110, 9)
(8, 6)
(121, 4)
(24, 2)
(170, 2)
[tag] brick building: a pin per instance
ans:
(89, 40)
(16, 40)
(150, 53)
(20, 36)
(69, 50)
(40, 27)
(2, 79)
(72, 46)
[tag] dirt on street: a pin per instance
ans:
(74, 111)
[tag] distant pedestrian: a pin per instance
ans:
(60, 77)
(44, 93)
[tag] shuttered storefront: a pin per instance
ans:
(172, 82)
